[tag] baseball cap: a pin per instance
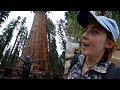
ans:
(109, 24)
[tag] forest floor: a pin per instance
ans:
(116, 58)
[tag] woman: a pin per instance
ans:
(98, 42)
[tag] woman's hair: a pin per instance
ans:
(108, 51)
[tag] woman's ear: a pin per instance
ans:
(110, 44)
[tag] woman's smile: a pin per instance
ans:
(84, 44)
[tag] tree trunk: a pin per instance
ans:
(36, 46)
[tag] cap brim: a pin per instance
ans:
(83, 18)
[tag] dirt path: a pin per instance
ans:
(116, 54)
(116, 58)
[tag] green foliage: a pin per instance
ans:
(5, 63)
(54, 56)
(73, 28)
(5, 57)
(62, 61)
(19, 43)
(13, 60)
(10, 59)
(3, 16)
(61, 33)
(57, 65)
(118, 42)
(22, 35)
(50, 29)
(7, 34)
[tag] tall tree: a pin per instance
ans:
(22, 35)
(50, 29)
(57, 64)
(7, 34)
(5, 57)
(19, 43)
(37, 47)
(13, 59)
(62, 40)
(3, 16)
(61, 32)
(54, 57)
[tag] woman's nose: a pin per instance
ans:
(85, 35)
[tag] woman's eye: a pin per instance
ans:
(94, 31)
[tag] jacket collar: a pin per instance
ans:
(100, 67)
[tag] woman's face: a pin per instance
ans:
(94, 40)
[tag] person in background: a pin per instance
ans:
(98, 42)
(27, 62)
